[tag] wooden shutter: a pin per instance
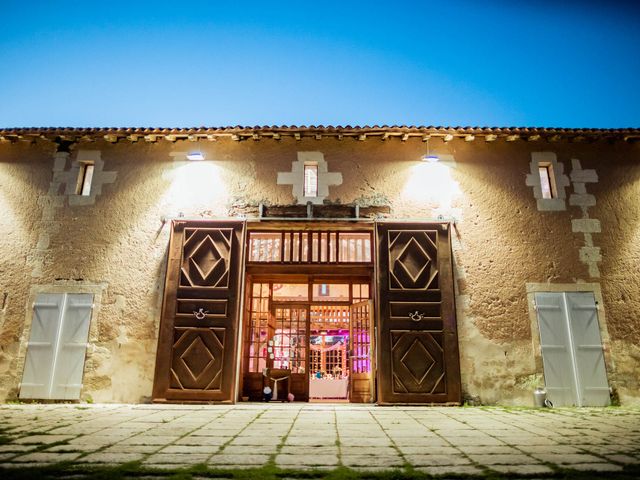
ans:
(72, 347)
(572, 355)
(57, 346)
(556, 350)
(418, 358)
(196, 346)
(593, 386)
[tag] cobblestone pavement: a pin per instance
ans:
(433, 440)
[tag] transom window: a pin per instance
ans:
(310, 247)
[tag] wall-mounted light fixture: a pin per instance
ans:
(195, 156)
(429, 157)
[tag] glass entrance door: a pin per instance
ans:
(287, 347)
(361, 386)
(328, 344)
(301, 331)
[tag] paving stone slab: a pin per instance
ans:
(195, 449)
(450, 470)
(202, 441)
(420, 441)
(537, 469)
(149, 440)
(46, 457)
(76, 447)
(488, 449)
(250, 441)
(566, 458)
(310, 459)
(311, 440)
(251, 449)
(596, 467)
(112, 458)
(428, 450)
(549, 449)
(475, 441)
(364, 442)
(12, 447)
(503, 459)
(436, 460)
(43, 439)
(177, 458)
(304, 450)
(119, 448)
(373, 461)
(224, 459)
(167, 466)
(526, 440)
(625, 459)
(97, 439)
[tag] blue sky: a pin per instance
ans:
(159, 64)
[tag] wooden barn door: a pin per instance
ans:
(196, 347)
(418, 344)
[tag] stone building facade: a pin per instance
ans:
(514, 257)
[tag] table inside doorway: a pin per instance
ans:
(328, 387)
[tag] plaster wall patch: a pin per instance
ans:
(296, 177)
(49, 203)
(588, 254)
(585, 225)
(539, 159)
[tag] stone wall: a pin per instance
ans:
(114, 242)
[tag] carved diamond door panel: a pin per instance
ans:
(196, 346)
(418, 345)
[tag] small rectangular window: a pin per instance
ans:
(85, 175)
(311, 180)
(547, 181)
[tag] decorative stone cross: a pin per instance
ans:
(296, 177)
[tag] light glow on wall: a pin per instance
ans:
(196, 189)
(431, 185)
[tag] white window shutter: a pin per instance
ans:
(556, 350)
(593, 386)
(41, 349)
(57, 346)
(72, 347)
